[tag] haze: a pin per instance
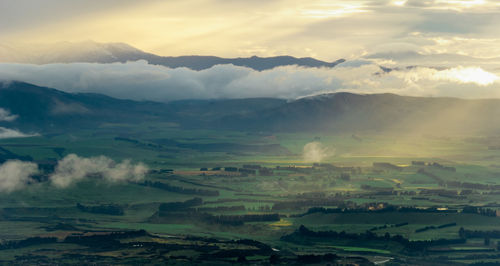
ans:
(250, 132)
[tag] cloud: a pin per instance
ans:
(466, 75)
(315, 152)
(61, 108)
(142, 81)
(455, 5)
(72, 169)
(473, 75)
(15, 175)
(5, 115)
(7, 133)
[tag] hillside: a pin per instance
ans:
(48, 109)
(347, 112)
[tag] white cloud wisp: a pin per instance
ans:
(73, 169)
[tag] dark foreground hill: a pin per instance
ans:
(45, 110)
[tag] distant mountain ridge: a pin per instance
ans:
(48, 110)
(92, 52)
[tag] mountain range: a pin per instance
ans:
(47, 110)
(92, 52)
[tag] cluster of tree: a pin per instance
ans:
(161, 171)
(420, 198)
(442, 167)
(247, 171)
(61, 227)
(405, 193)
(383, 208)
(222, 209)
(181, 190)
(231, 169)
(298, 205)
(316, 259)
(31, 241)
(334, 168)
(187, 209)
(427, 228)
(231, 220)
(111, 209)
(256, 249)
(293, 168)
(427, 210)
(388, 166)
(442, 193)
(438, 180)
(179, 206)
(238, 220)
(477, 257)
(265, 172)
(248, 218)
(104, 241)
(463, 233)
(468, 185)
(134, 141)
(345, 176)
(385, 226)
(47, 166)
(434, 164)
(480, 211)
(378, 190)
(40, 176)
(110, 242)
(466, 192)
(261, 208)
(6, 155)
(141, 144)
(312, 195)
(422, 245)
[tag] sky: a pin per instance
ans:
(436, 45)
(327, 30)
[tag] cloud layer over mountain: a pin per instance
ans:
(142, 81)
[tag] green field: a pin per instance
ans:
(356, 196)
